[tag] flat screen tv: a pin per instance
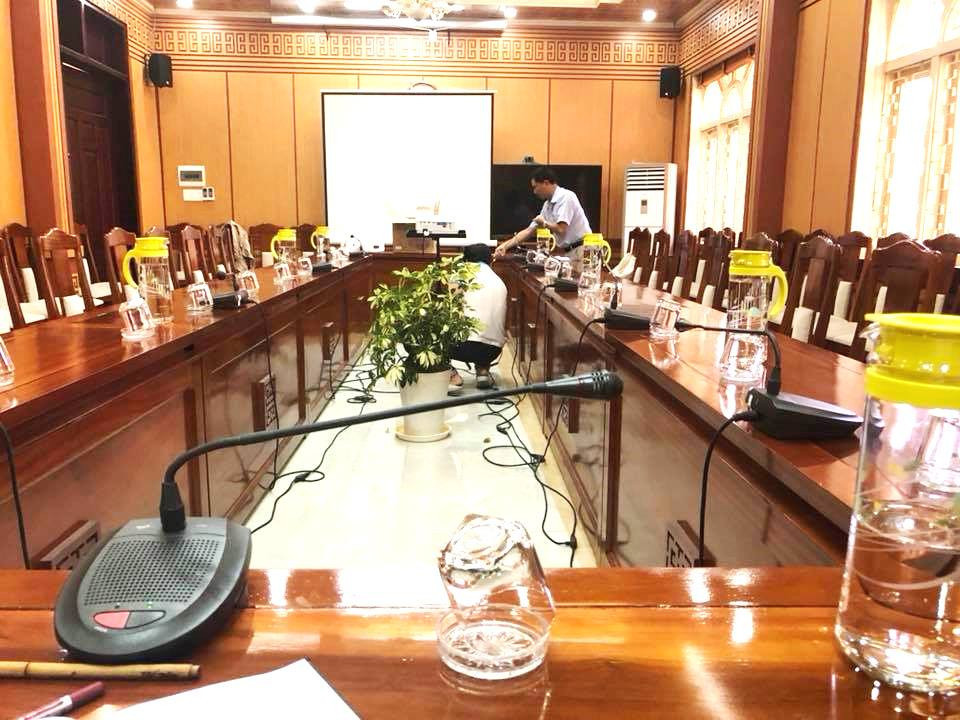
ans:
(513, 204)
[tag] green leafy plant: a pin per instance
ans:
(419, 321)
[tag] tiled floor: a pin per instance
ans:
(385, 502)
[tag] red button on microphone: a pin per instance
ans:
(115, 619)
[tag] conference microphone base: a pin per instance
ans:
(794, 417)
(145, 595)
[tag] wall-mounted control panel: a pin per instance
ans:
(200, 194)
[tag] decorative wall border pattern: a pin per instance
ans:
(555, 54)
(727, 28)
(138, 17)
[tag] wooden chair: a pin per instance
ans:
(62, 273)
(729, 236)
(762, 241)
(716, 274)
(8, 272)
(188, 240)
(854, 248)
(810, 284)
(260, 237)
(81, 232)
(898, 278)
(19, 240)
(218, 240)
(709, 248)
(948, 246)
(889, 240)
(304, 232)
(681, 264)
(116, 243)
(640, 244)
(789, 242)
(652, 272)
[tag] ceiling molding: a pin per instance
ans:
(694, 14)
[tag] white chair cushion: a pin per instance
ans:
(778, 318)
(708, 293)
(881, 299)
(33, 311)
(30, 284)
(841, 331)
(804, 320)
(100, 290)
(677, 285)
(842, 304)
(654, 277)
(6, 322)
(71, 305)
(266, 259)
(939, 302)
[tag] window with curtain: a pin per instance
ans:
(719, 150)
(913, 188)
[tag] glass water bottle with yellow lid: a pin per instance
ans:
(153, 276)
(283, 246)
(899, 614)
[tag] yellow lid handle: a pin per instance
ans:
(553, 242)
(780, 293)
(125, 266)
(273, 245)
(609, 252)
(313, 240)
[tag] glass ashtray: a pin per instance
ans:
(493, 642)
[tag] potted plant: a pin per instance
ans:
(416, 325)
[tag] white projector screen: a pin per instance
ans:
(396, 157)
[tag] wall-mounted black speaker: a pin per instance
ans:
(670, 81)
(160, 70)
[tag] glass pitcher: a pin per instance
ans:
(899, 614)
(596, 254)
(749, 306)
(546, 242)
(320, 241)
(153, 271)
(283, 246)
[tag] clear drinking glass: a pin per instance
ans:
(502, 609)
(136, 323)
(281, 273)
(247, 280)
(664, 320)
(199, 298)
(304, 266)
(156, 288)
(899, 613)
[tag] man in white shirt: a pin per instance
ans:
(488, 304)
(562, 214)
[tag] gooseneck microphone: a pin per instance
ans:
(157, 587)
(781, 415)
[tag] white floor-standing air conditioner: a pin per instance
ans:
(650, 198)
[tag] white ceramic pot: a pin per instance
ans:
(427, 426)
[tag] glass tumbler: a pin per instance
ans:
(136, 322)
(199, 298)
(899, 613)
(663, 323)
(501, 607)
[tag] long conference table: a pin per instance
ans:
(95, 421)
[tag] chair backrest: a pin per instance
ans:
(762, 241)
(789, 241)
(812, 284)
(80, 230)
(218, 243)
(641, 245)
(61, 269)
(8, 270)
(708, 254)
(304, 233)
(19, 240)
(116, 243)
(905, 273)
(188, 240)
(889, 240)
(260, 237)
(948, 246)
(681, 263)
(730, 237)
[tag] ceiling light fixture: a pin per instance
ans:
(648, 15)
(418, 10)
(509, 12)
(308, 6)
(185, 4)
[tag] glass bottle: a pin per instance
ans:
(320, 241)
(153, 273)
(748, 307)
(283, 246)
(899, 613)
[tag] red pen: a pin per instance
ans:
(66, 703)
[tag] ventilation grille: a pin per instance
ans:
(150, 569)
(648, 177)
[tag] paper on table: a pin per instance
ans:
(296, 689)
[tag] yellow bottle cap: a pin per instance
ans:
(750, 262)
(915, 359)
(543, 233)
(287, 234)
(594, 239)
(322, 230)
(152, 247)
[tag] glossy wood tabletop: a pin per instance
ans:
(823, 473)
(625, 643)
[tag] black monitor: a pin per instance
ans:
(513, 204)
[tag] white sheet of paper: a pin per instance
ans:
(296, 689)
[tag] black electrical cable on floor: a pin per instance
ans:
(15, 491)
(748, 415)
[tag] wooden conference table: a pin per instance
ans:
(625, 643)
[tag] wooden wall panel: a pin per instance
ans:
(262, 148)
(387, 82)
(521, 118)
(307, 98)
(839, 111)
(641, 132)
(146, 140)
(580, 112)
(456, 82)
(12, 207)
(805, 116)
(194, 131)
